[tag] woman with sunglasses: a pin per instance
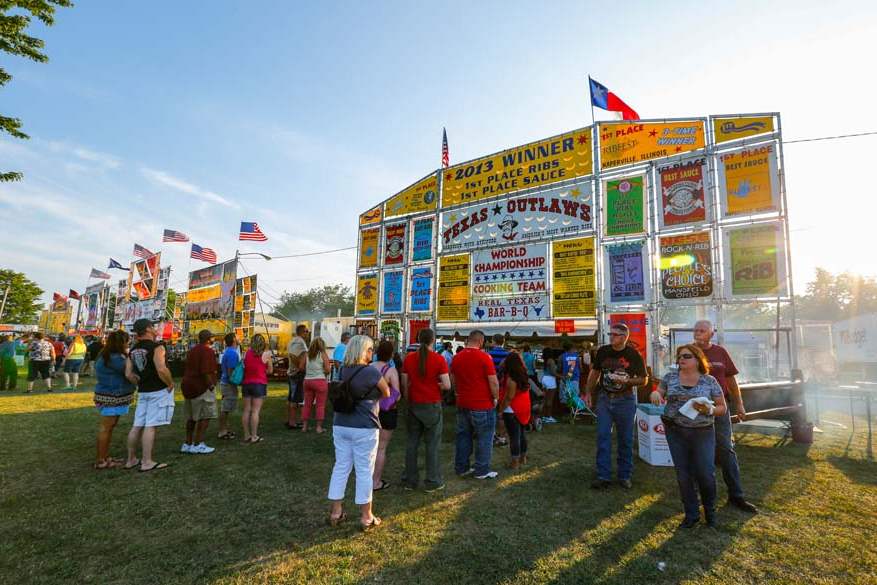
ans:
(692, 441)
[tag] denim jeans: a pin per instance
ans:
(478, 427)
(619, 412)
(424, 422)
(726, 457)
(694, 452)
(517, 437)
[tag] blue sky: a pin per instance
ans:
(195, 115)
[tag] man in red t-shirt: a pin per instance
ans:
(722, 368)
(477, 389)
(199, 380)
(424, 376)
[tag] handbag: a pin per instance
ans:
(341, 394)
(237, 374)
(388, 402)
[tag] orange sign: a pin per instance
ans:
(626, 143)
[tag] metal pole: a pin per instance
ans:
(785, 220)
(3, 304)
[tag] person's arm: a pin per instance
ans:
(383, 387)
(327, 366)
(593, 378)
(129, 372)
(638, 380)
(511, 388)
(493, 382)
(208, 370)
(657, 395)
(736, 396)
(393, 375)
(267, 357)
(445, 381)
(161, 368)
(718, 410)
(404, 385)
(302, 361)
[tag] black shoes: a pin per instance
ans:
(688, 523)
(743, 505)
(625, 483)
(600, 484)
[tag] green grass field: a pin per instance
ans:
(256, 513)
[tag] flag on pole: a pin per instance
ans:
(142, 252)
(203, 254)
(174, 236)
(250, 232)
(446, 157)
(95, 273)
(74, 295)
(58, 298)
(116, 264)
(606, 100)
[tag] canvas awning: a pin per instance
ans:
(515, 328)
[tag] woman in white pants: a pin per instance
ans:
(356, 433)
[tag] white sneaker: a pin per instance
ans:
(488, 475)
(187, 448)
(203, 449)
(548, 420)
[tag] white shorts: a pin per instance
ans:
(154, 409)
(549, 382)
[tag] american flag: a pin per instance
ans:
(174, 236)
(142, 252)
(203, 254)
(446, 157)
(250, 231)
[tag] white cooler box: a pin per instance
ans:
(652, 441)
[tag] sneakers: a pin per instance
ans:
(202, 449)
(467, 473)
(689, 523)
(186, 448)
(742, 504)
(488, 475)
(434, 488)
(549, 420)
(625, 483)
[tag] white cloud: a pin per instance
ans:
(168, 180)
(101, 160)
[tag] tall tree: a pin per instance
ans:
(15, 19)
(22, 300)
(316, 303)
(833, 297)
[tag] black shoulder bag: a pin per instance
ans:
(341, 394)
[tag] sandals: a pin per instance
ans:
(132, 466)
(108, 463)
(334, 521)
(154, 467)
(227, 436)
(252, 440)
(381, 486)
(368, 526)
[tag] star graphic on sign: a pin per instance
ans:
(520, 275)
(530, 273)
(477, 279)
(575, 193)
(495, 277)
(449, 176)
(497, 209)
(653, 133)
(678, 149)
(453, 217)
(541, 273)
(583, 139)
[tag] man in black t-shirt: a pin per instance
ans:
(617, 370)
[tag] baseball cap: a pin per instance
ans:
(141, 325)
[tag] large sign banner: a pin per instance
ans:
(749, 180)
(510, 284)
(754, 263)
(421, 196)
(555, 212)
(366, 294)
(628, 143)
(686, 266)
(143, 277)
(638, 325)
(394, 244)
(206, 276)
(532, 165)
(725, 129)
(453, 293)
(421, 241)
(368, 248)
(683, 199)
(626, 282)
(392, 288)
(572, 279)
(625, 206)
(213, 299)
(421, 289)
(371, 216)
(93, 301)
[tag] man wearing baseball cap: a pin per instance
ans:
(155, 394)
(199, 381)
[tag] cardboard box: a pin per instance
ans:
(652, 441)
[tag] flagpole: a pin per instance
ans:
(591, 100)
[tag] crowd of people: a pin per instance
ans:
(497, 391)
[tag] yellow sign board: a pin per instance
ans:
(215, 326)
(371, 216)
(572, 279)
(627, 143)
(367, 294)
(421, 196)
(208, 293)
(749, 180)
(453, 293)
(368, 248)
(735, 128)
(532, 165)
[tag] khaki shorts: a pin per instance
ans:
(229, 397)
(202, 407)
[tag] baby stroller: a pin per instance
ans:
(569, 395)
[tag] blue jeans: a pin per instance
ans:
(726, 457)
(478, 427)
(517, 437)
(620, 412)
(694, 452)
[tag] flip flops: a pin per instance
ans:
(132, 466)
(227, 436)
(107, 464)
(381, 486)
(371, 525)
(154, 467)
(334, 521)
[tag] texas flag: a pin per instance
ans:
(605, 99)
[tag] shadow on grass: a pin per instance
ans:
(857, 470)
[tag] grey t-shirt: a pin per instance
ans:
(365, 390)
(677, 395)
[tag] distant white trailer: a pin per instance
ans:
(855, 345)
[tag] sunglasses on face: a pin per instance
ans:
(685, 356)
(613, 334)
